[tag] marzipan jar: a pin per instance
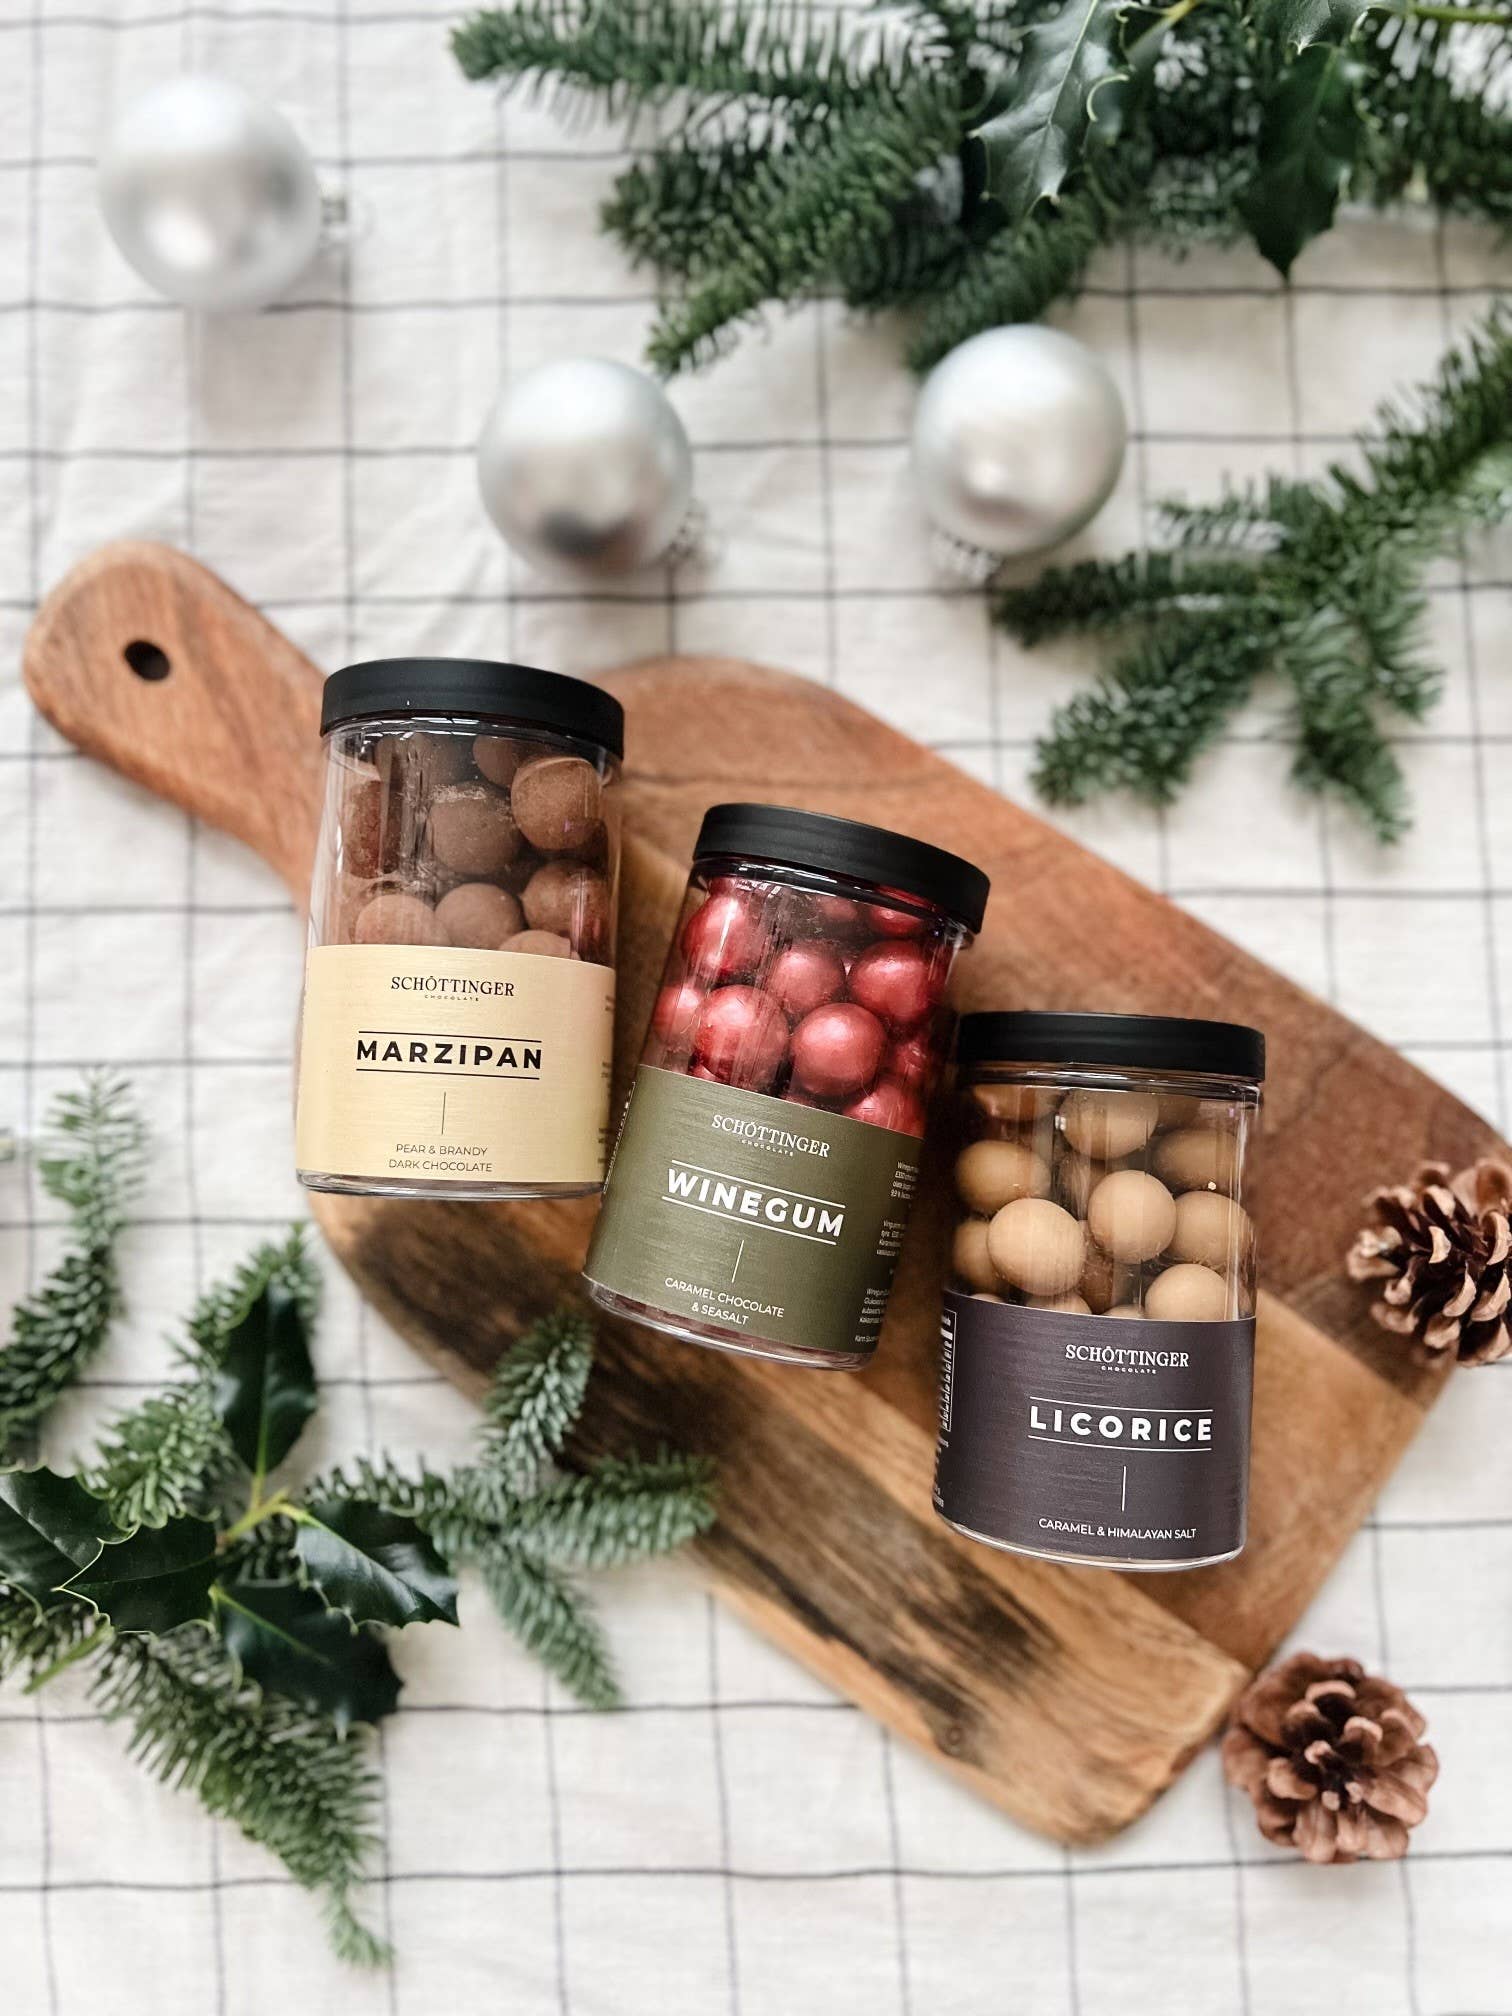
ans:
(1099, 1329)
(770, 1149)
(458, 1011)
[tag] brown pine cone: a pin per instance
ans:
(1442, 1246)
(1332, 1757)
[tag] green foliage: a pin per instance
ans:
(232, 1624)
(1316, 582)
(965, 160)
(94, 1169)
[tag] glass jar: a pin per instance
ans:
(458, 1013)
(770, 1150)
(1098, 1332)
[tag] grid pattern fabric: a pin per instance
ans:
(737, 1840)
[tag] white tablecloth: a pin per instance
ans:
(737, 1839)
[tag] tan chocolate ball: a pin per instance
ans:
(1187, 1294)
(1073, 1304)
(566, 897)
(1179, 1109)
(472, 829)
(499, 756)
(1212, 1230)
(1037, 1246)
(968, 1254)
(479, 914)
(544, 944)
(1132, 1215)
(396, 918)
(1075, 1180)
(1107, 1125)
(1198, 1158)
(1126, 1312)
(990, 1174)
(1015, 1105)
(558, 802)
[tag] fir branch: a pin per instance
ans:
(662, 206)
(634, 53)
(623, 1509)
(536, 1396)
(1015, 277)
(551, 1619)
(94, 1169)
(1319, 582)
(286, 1778)
(803, 213)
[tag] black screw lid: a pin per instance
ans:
(477, 686)
(1137, 1042)
(845, 847)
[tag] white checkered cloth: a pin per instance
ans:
(737, 1840)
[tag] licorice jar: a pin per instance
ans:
(1098, 1331)
(770, 1149)
(458, 1009)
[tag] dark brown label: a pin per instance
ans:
(769, 1219)
(1091, 1437)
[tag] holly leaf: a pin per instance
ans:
(265, 1386)
(377, 1566)
(286, 1639)
(1031, 146)
(154, 1579)
(1310, 134)
(50, 1528)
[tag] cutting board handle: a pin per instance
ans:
(143, 659)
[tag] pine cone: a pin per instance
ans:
(1333, 1759)
(1442, 1244)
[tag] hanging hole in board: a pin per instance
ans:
(147, 660)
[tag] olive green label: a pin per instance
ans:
(765, 1218)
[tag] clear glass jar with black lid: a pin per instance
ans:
(770, 1150)
(1098, 1330)
(458, 1012)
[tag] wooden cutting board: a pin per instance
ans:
(1068, 1697)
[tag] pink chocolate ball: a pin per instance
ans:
(837, 1049)
(723, 939)
(675, 1013)
(837, 914)
(910, 1060)
(742, 1036)
(889, 1104)
(804, 976)
(889, 922)
(896, 981)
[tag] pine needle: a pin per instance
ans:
(94, 1168)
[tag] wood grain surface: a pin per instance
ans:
(1068, 1697)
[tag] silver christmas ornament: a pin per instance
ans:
(584, 464)
(210, 195)
(1018, 439)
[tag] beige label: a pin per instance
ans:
(418, 1064)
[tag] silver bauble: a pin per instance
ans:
(584, 464)
(210, 194)
(1017, 441)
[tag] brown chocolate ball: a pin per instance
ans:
(479, 914)
(566, 897)
(368, 838)
(498, 757)
(558, 802)
(472, 830)
(544, 944)
(395, 917)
